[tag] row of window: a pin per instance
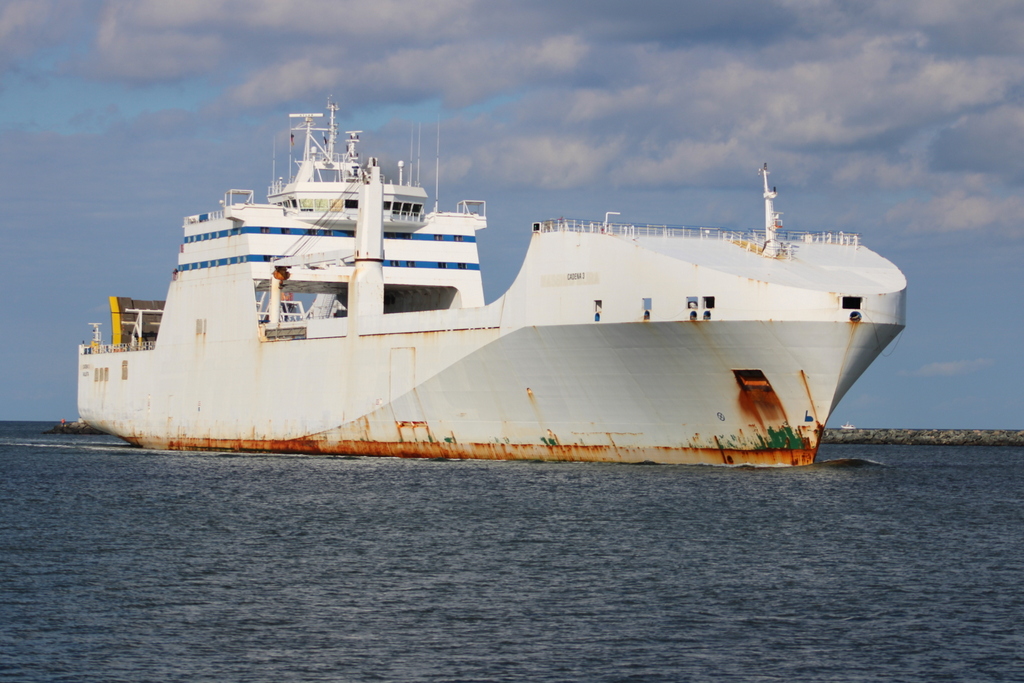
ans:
(693, 303)
(336, 205)
(323, 232)
(431, 264)
(427, 237)
(252, 229)
(263, 258)
(647, 304)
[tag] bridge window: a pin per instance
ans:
(851, 302)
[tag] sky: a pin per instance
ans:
(903, 121)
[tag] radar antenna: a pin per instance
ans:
(97, 336)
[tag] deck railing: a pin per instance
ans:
(695, 232)
(203, 217)
(90, 349)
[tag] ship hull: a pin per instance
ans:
(612, 344)
(664, 392)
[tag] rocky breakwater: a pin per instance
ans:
(76, 427)
(927, 437)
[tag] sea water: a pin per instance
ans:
(886, 564)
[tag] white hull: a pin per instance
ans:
(478, 385)
(614, 343)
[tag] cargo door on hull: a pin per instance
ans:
(757, 398)
(759, 402)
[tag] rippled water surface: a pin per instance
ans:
(894, 564)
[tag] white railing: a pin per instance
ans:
(694, 232)
(475, 207)
(203, 217)
(229, 197)
(90, 349)
(846, 239)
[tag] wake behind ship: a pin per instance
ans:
(342, 317)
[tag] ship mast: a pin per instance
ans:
(332, 131)
(772, 247)
(319, 160)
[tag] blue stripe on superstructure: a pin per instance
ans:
(257, 230)
(323, 232)
(230, 261)
(450, 265)
(264, 258)
(428, 237)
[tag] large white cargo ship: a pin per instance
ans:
(342, 316)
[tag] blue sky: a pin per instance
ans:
(901, 121)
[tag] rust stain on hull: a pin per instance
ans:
(758, 402)
(492, 451)
(757, 399)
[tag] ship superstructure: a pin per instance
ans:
(341, 316)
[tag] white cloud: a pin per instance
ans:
(960, 209)
(548, 161)
(31, 26)
(662, 94)
(461, 74)
(844, 110)
(847, 95)
(294, 79)
(124, 53)
(950, 368)
(957, 26)
(984, 142)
